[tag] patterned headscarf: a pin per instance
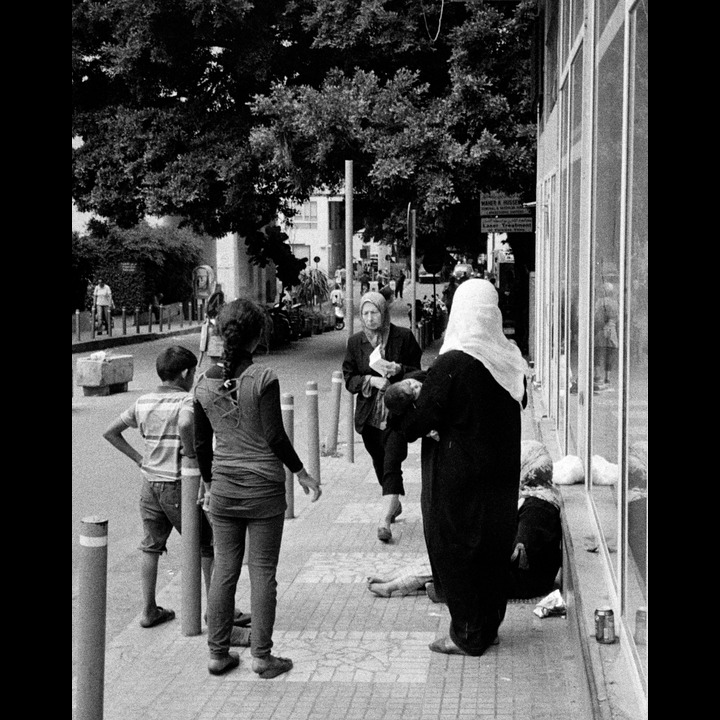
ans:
(379, 335)
(475, 327)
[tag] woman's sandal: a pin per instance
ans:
(446, 646)
(397, 512)
(276, 666)
(384, 535)
(219, 666)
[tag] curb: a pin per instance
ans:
(122, 340)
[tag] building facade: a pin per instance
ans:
(591, 280)
(318, 230)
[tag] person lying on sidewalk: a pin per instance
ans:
(537, 553)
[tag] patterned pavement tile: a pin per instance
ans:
(369, 512)
(351, 657)
(354, 567)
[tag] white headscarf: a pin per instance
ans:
(475, 327)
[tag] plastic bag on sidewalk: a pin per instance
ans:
(552, 604)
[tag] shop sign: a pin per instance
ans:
(501, 204)
(506, 224)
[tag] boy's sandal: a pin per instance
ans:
(161, 616)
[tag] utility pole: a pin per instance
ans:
(349, 292)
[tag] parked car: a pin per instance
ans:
(425, 277)
(463, 269)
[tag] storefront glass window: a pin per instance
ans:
(607, 155)
(551, 63)
(576, 74)
(604, 11)
(637, 289)
(578, 15)
(560, 413)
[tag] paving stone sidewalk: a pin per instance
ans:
(356, 656)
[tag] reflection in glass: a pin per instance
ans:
(637, 289)
(574, 246)
(606, 291)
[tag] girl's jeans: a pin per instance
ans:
(265, 535)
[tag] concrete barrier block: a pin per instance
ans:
(101, 377)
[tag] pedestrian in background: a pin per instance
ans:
(242, 451)
(164, 418)
(368, 377)
(102, 298)
(364, 282)
(473, 396)
(399, 285)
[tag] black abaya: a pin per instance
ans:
(470, 484)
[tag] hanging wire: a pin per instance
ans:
(437, 34)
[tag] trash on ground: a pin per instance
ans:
(552, 604)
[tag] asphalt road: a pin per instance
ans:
(105, 482)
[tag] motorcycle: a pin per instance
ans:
(339, 317)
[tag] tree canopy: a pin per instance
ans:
(226, 112)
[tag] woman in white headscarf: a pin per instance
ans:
(473, 396)
(368, 377)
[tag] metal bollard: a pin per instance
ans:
(124, 320)
(169, 317)
(77, 324)
(137, 319)
(350, 419)
(93, 315)
(92, 616)
(311, 393)
(287, 405)
(160, 318)
(332, 436)
(150, 318)
(190, 541)
(182, 314)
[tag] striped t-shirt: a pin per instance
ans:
(157, 415)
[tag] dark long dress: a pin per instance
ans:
(470, 483)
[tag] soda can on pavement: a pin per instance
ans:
(605, 625)
(641, 626)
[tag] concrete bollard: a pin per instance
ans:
(77, 324)
(311, 393)
(92, 602)
(287, 406)
(137, 319)
(124, 320)
(190, 541)
(336, 394)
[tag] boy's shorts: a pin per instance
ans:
(160, 513)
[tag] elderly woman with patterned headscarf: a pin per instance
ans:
(376, 356)
(473, 396)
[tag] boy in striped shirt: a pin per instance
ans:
(164, 418)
